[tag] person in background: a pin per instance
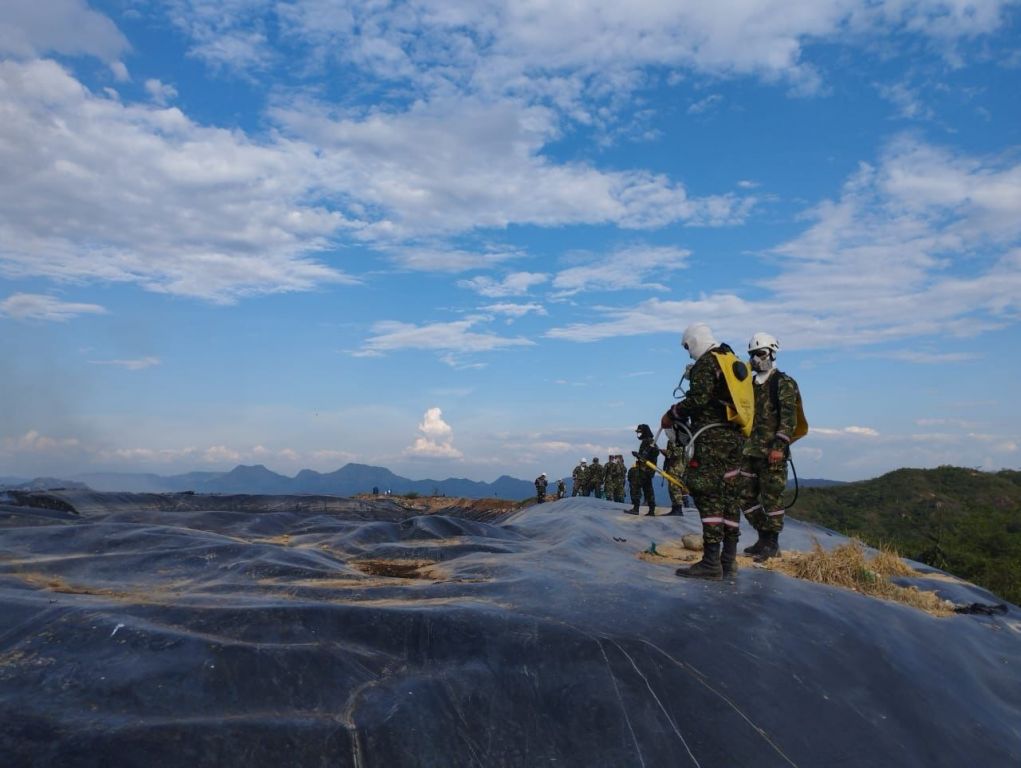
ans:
(578, 478)
(647, 452)
(540, 488)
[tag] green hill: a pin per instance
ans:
(961, 520)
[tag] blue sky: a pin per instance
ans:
(462, 238)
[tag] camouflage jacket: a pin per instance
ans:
(594, 477)
(774, 419)
(614, 474)
(704, 402)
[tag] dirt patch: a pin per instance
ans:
(399, 569)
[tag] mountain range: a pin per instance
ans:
(346, 481)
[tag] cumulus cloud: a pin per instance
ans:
(633, 267)
(160, 92)
(436, 439)
(34, 306)
(34, 442)
(514, 310)
(514, 284)
(456, 337)
(925, 242)
(30, 28)
(563, 51)
(92, 189)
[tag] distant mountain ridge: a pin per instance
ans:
(346, 481)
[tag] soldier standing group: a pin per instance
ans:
(728, 474)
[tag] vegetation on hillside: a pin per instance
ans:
(961, 520)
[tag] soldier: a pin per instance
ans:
(614, 478)
(561, 488)
(594, 479)
(540, 488)
(763, 475)
(578, 478)
(673, 464)
(717, 450)
(647, 451)
(632, 484)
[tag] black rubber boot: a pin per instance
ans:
(771, 547)
(652, 510)
(728, 558)
(708, 567)
(755, 548)
(634, 510)
(676, 509)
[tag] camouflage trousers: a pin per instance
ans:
(674, 465)
(615, 491)
(760, 486)
(717, 452)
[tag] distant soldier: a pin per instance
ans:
(674, 464)
(779, 420)
(632, 483)
(578, 478)
(614, 483)
(540, 488)
(647, 452)
(561, 488)
(594, 479)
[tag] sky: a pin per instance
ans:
(462, 238)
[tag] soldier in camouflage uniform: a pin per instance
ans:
(614, 478)
(717, 451)
(594, 479)
(763, 474)
(561, 488)
(632, 483)
(673, 464)
(644, 474)
(540, 488)
(578, 478)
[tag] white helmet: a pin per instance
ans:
(584, 461)
(764, 341)
(698, 339)
(542, 475)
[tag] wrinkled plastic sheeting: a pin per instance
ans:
(189, 637)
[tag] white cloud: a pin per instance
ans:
(514, 284)
(710, 102)
(634, 267)
(449, 259)
(562, 51)
(34, 306)
(485, 169)
(514, 310)
(161, 93)
(34, 442)
(456, 337)
(136, 364)
(32, 27)
(856, 431)
(95, 190)
(906, 99)
(436, 439)
(924, 243)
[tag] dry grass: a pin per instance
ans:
(850, 567)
